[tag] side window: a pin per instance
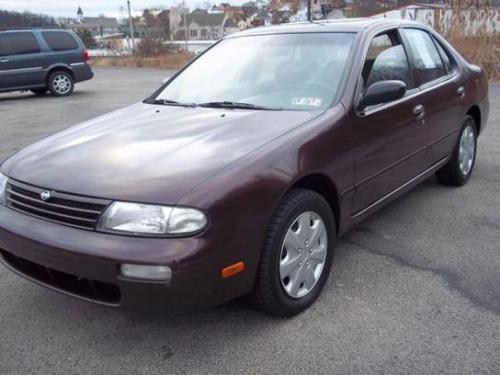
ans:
(18, 44)
(427, 62)
(59, 40)
(386, 60)
(444, 56)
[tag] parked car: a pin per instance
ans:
(42, 60)
(239, 173)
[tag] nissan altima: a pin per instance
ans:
(238, 174)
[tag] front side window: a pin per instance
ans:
(286, 71)
(59, 40)
(426, 60)
(21, 43)
(386, 60)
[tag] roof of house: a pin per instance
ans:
(101, 21)
(206, 19)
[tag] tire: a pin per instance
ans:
(60, 83)
(273, 293)
(39, 91)
(455, 173)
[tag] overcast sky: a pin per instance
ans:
(68, 8)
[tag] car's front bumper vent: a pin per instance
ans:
(73, 210)
(94, 290)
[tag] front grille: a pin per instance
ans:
(73, 210)
(89, 289)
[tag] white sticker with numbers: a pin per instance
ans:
(312, 102)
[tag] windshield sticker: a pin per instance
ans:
(313, 102)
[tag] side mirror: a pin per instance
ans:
(382, 92)
(165, 80)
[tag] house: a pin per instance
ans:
(261, 18)
(231, 26)
(98, 26)
(231, 11)
(249, 8)
(301, 13)
(202, 25)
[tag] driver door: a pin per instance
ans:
(389, 139)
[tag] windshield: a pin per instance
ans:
(284, 71)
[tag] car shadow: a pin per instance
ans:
(27, 95)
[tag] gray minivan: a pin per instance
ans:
(42, 60)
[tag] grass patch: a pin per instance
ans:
(481, 50)
(167, 61)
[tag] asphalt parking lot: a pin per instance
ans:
(414, 289)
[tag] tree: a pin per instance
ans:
(87, 38)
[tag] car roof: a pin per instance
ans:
(353, 25)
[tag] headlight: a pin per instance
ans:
(3, 188)
(145, 219)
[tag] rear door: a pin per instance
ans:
(442, 90)
(21, 60)
(390, 139)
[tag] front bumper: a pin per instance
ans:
(85, 264)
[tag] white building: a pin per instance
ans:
(441, 18)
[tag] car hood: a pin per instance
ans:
(147, 153)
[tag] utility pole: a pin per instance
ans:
(309, 15)
(131, 26)
(185, 23)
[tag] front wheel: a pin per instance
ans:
(459, 168)
(60, 83)
(297, 254)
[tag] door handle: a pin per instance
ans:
(4, 60)
(461, 91)
(419, 111)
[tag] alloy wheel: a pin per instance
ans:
(61, 84)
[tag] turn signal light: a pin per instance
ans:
(232, 270)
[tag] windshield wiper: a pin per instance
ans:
(172, 102)
(236, 105)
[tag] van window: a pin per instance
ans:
(20, 43)
(59, 40)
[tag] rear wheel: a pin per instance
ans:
(39, 91)
(459, 168)
(61, 83)
(296, 256)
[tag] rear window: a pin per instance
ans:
(20, 43)
(427, 61)
(59, 40)
(448, 65)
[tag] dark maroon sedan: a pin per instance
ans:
(239, 173)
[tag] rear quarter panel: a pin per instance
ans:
(477, 89)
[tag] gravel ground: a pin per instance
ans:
(414, 289)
